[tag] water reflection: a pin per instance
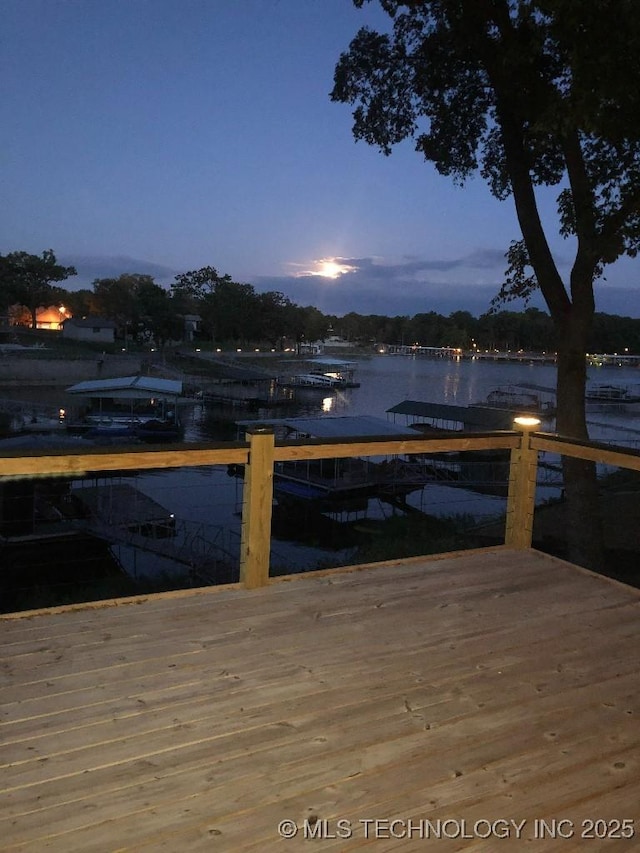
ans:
(451, 383)
(328, 404)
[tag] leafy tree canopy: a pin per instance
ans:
(196, 284)
(28, 279)
(529, 93)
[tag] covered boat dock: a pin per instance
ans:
(341, 483)
(127, 402)
(419, 414)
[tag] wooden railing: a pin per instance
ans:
(260, 453)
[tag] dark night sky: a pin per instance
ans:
(159, 136)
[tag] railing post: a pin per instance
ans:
(522, 488)
(257, 501)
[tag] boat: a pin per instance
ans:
(108, 428)
(523, 398)
(617, 394)
(323, 373)
(310, 381)
(155, 430)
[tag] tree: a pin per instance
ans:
(196, 284)
(228, 309)
(277, 317)
(117, 299)
(27, 279)
(157, 313)
(313, 324)
(80, 302)
(531, 93)
(7, 294)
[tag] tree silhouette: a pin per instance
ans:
(529, 94)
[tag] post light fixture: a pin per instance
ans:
(527, 422)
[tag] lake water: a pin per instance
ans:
(388, 380)
(211, 498)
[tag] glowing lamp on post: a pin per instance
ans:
(522, 486)
(527, 422)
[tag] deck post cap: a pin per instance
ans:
(526, 422)
(260, 429)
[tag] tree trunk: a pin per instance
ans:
(583, 520)
(572, 321)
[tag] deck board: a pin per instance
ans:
(495, 685)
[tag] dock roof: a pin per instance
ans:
(330, 361)
(533, 386)
(476, 416)
(128, 387)
(356, 426)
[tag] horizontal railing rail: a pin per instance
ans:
(342, 448)
(65, 464)
(590, 450)
(260, 453)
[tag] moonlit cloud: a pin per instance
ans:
(409, 285)
(326, 268)
(414, 285)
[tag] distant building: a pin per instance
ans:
(92, 329)
(312, 348)
(330, 342)
(51, 317)
(47, 317)
(191, 325)
(336, 342)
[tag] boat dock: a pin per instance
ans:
(30, 416)
(612, 394)
(519, 356)
(417, 414)
(120, 513)
(325, 373)
(613, 359)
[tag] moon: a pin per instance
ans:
(330, 269)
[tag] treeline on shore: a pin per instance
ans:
(212, 308)
(236, 315)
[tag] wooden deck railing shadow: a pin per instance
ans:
(261, 452)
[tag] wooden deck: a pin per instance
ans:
(468, 699)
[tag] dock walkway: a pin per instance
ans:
(120, 513)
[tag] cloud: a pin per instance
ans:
(90, 267)
(411, 285)
(414, 285)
